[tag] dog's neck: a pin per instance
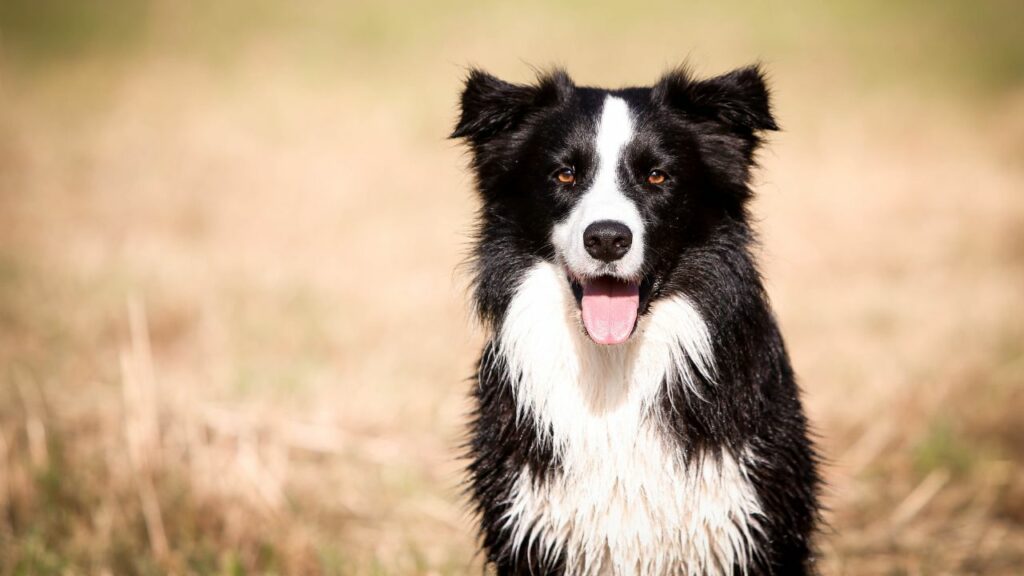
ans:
(563, 378)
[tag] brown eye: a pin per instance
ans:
(656, 177)
(566, 176)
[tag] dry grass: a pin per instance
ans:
(233, 340)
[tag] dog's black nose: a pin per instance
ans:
(607, 240)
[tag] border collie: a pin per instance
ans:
(635, 408)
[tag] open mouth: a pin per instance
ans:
(610, 306)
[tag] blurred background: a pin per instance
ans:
(233, 329)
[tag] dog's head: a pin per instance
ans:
(614, 186)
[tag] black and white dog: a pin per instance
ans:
(636, 412)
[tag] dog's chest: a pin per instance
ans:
(623, 500)
(635, 508)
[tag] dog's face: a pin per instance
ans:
(614, 186)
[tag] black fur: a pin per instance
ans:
(699, 243)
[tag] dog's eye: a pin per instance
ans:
(656, 177)
(566, 175)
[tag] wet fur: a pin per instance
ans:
(685, 450)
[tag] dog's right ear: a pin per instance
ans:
(491, 106)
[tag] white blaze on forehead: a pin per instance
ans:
(614, 131)
(604, 200)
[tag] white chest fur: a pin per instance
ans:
(624, 501)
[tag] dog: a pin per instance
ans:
(635, 410)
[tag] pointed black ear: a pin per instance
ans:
(739, 99)
(491, 106)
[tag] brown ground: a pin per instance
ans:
(233, 333)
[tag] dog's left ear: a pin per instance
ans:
(739, 99)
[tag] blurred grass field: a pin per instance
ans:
(233, 329)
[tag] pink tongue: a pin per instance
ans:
(609, 309)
